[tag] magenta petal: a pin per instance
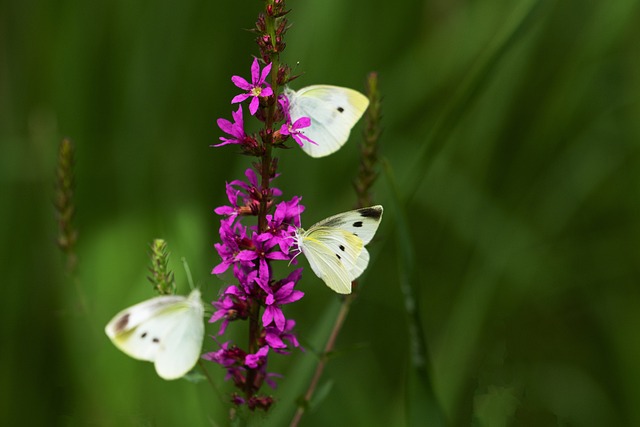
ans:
(265, 286)
(241, 83)
(237, 116)
(217, 316)
(277, 255)
(265, 72)
(270, 299)
(266, 91)
(279, 319)
(295, 296)
(255, 71)
(239, 98)
(264, 269)
(253, 106)
(251, 176)
(220, 268)
(225, 125)
(280, 212)
(224, 210)
(267, 316)
(246, 255)
(274, 341)
(223, 327)
(302, 122)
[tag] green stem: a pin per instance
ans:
(265, 178)
(328, 348)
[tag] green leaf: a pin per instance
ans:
(422, 406)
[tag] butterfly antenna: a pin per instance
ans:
(187, 270)
(296, 239)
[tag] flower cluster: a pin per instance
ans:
(247, 250)
(261, 93)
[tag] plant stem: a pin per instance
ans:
(328, 348)
(266, 173)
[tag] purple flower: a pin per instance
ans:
(232, 305)
(294, 129)
(256, 89)
(275, 337)
(235, 129)
(223, 356)
(285, 295)
(233, 236)
(253, 360)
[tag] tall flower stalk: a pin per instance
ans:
(258, 226)
(256, 295)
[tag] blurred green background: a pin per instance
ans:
(511, 132)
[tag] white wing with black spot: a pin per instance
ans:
(333, 111)
(335, 249)
(166, 330)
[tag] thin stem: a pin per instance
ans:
(364, 181)
(266, 173)
(328, 348)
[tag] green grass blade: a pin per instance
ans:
(476, 80)
(422, 405)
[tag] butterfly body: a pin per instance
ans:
(333, 111)
(335, 248)
(167, 330)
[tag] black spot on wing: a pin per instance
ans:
(121, 325)
(342, 248)
(144, 335)
(339, 257)
(357, 224)
(370, 213)
(340, 110)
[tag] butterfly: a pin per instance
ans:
(167, 330)
(335, 248)
(333, 111)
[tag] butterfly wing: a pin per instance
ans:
(182, 343)
(335, 246)
(124, 325)
(361, 264)
(167, 330)
(361, 222)
(332, 254)
(333, 111)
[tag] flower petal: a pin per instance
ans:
(239, 98)
(255, 71)
(253, 106)
(241, 83)
(265, 72)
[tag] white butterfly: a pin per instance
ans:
(167, 330)
(333, 111)
(335, 246)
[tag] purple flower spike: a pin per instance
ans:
(257, 88)
(248, 251)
